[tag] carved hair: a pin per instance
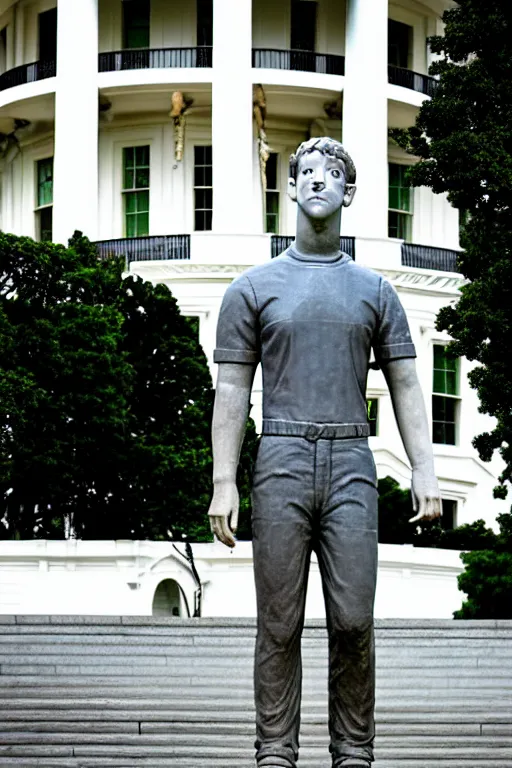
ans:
(326, 146)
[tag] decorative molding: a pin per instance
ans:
(433, 282)
(184, 269)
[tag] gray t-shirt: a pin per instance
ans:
(312, 325)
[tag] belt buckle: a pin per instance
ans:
(313, 432)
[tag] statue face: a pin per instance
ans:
(320, 186)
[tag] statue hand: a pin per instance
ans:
(426, 501)
(223, 512)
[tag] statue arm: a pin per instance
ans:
(411, 417)
(230, 411)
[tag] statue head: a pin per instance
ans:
(322, 177)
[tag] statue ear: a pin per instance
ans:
(350, 190)
(292, 189)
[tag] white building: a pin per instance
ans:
(145, 578)
(89, 144)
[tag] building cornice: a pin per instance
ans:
(438, 283)
(411, 280)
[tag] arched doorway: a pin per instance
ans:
(167, 599)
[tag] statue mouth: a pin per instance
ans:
(317, 197)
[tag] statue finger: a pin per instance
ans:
(227, 536)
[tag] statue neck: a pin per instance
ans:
(318, 237)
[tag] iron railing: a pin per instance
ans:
(159, 247)
(155, 58)
(28, 73)
(413, 80)
(302, 61)
(429, 257)
(279, 243)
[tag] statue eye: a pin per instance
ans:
(336, 173)
(307, 170)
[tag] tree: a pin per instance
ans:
(395, 510)
(105, 400)
(487, 578)
(463, 140)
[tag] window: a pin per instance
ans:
(44, 199)
(400, 203)
(303, 26)
(449, 517)
(204, 22)
(272, 195)
(372, 408)
(136, 174)
(47, 23)
(445, 400)
(136, 23)
(3, 50)
(399, 44)
(203, 189)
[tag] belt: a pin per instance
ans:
(314, 431)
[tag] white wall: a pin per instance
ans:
(172, 25)
(272, 24)
(120, 578)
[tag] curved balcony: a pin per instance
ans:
(429, 257)
(28, 73)
(279, 243)
(299, 61)
(150, 248)
(155, 58)
(406, 78)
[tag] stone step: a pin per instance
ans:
(190, 712)
(413, 752)
(85, 692)
(198, 728)
(231, 741)
(142, 762)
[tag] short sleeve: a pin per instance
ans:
(393, 337)
(238, 326)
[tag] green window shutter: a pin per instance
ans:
(45, 182)
(136, 183)
(400, 197)
(136, 17)
(445, 372)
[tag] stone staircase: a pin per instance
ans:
(93, 692)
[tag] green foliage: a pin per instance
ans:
(395, 510)
(487, 579)
(464, 141)
(105, 401)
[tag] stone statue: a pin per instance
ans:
(311, 317)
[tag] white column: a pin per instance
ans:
(365, 116)
(232, 118)
(75, 187)
(19, 35)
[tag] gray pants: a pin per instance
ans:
(322, 496)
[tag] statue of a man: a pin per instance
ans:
(311, 317)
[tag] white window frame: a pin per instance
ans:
(457, 398)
